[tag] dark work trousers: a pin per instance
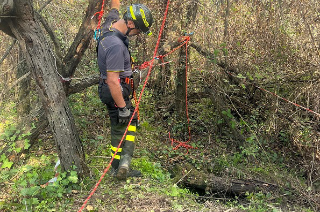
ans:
(117, 129)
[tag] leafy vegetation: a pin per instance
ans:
(239, 128)
(153, 156)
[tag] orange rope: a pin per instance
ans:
(97, 31)
(101, 12)
(184, 143)
(184, 39)
(136, 102)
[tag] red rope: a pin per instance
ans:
(295, 104)
(274, 94)
(135, 102)
(161, 64)
(135, 111)
(101, 12)
(185, 40)
(284, 99)
(146, 64)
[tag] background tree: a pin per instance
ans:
(43, 65)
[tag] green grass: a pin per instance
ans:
(153, 155)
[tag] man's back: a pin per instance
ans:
(113, 54)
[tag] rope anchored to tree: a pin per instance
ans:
(97, 31)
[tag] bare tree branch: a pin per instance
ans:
(211, 56)
(4, 27)
(83, 84)
(6, 8)
(8, 51)
(44, 5)
(13, 84)
(82, 40)
(54, 39)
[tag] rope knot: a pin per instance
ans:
(160, 57)
(183, 39)
(145, 65)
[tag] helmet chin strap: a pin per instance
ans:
(128, 31)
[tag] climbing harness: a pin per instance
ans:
(126, 43)
(125, 40)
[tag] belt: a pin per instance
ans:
(127, 80)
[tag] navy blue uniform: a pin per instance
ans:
(114, 56)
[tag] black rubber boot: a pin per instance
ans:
(123, 169)
(123, 173)
(112, 172)
(134, 173)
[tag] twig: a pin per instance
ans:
(14, 84)
(52, 35)
(99, 156)
(44, 5)
(7, 16)
(183, 177)
(12, 68)
(8, 51)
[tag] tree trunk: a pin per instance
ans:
(181, 80)
(160, 84)
(192, 8)
(82, 40)
(181, 85)
(41, 61)
(6, 7)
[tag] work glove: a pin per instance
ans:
(124, 115)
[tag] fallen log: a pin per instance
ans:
(188, 176)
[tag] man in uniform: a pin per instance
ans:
(115, 86)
